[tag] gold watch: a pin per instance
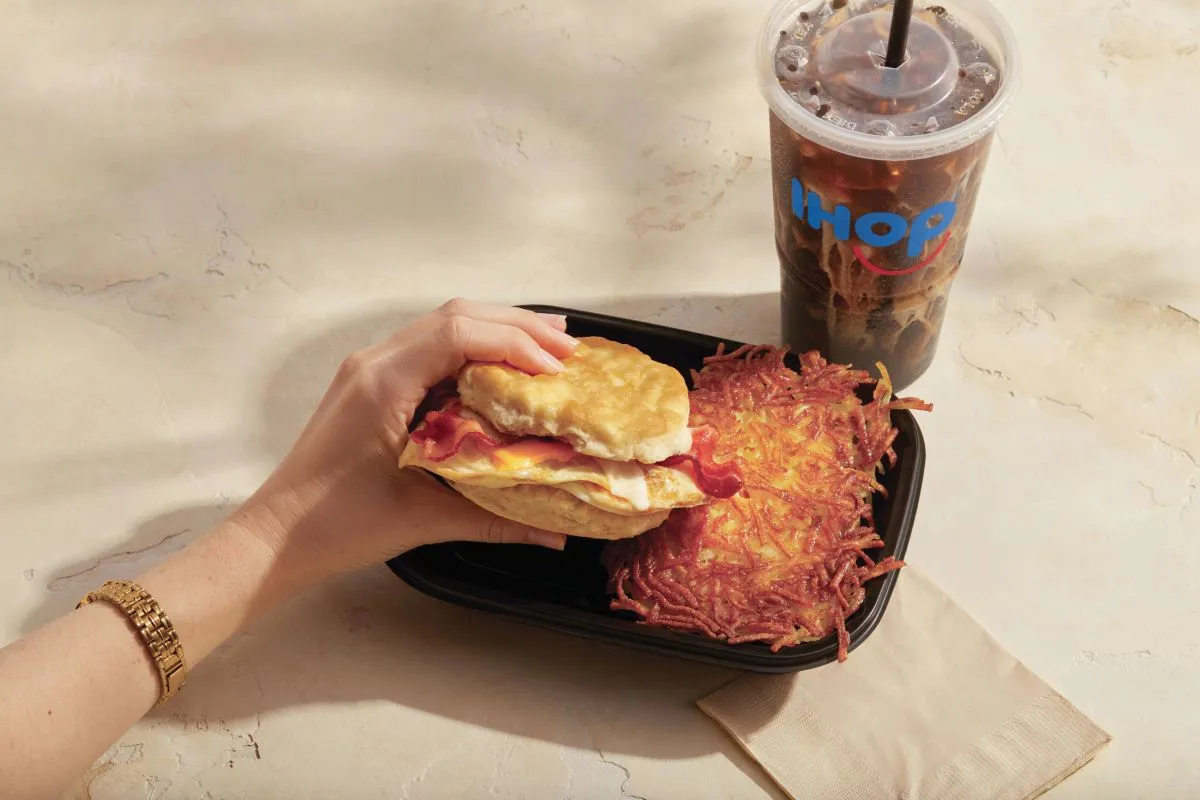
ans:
(156, 630)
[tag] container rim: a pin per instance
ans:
(434, 570)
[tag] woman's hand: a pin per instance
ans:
(338, 501)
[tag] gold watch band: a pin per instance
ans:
(153, 626)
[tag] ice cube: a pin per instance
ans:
(881, 127)
(981, 72)
(947, 118)
(972, 50)
(928, 126)
(789, 61)
(814, 101)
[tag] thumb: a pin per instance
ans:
(435, 513)
(498, 530)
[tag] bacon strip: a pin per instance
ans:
(715, 480)
(443, 433)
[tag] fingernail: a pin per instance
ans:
(557, 320)
(552, 364)
(554, 541)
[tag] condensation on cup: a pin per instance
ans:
(876, 170)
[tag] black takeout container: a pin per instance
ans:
(566, 591)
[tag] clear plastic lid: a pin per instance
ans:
(821, 70)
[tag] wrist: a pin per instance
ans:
(281, 521)
(219, 585)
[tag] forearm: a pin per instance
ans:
(67, 691)
(71, 689)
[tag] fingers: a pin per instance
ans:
(532, 342)
(496, 342)
(458, 340)
(398, 372)
(504, 531)
(434, 513)
(557, 321)
(548, 330)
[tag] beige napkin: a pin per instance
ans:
(929, 707)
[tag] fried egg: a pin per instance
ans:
(615, 486)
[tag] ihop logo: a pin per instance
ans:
(878, 228)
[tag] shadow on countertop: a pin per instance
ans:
(369, 637)
(152, 541)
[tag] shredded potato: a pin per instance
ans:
(784, 560)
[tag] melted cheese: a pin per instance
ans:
(627, 481)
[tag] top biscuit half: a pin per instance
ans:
(611, 401)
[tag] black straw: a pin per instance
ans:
(898, 39)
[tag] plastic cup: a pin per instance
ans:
(876, 170)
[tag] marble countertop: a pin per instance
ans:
(206, 205)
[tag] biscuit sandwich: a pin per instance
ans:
(600, 450)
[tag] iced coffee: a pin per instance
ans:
(876, 169)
